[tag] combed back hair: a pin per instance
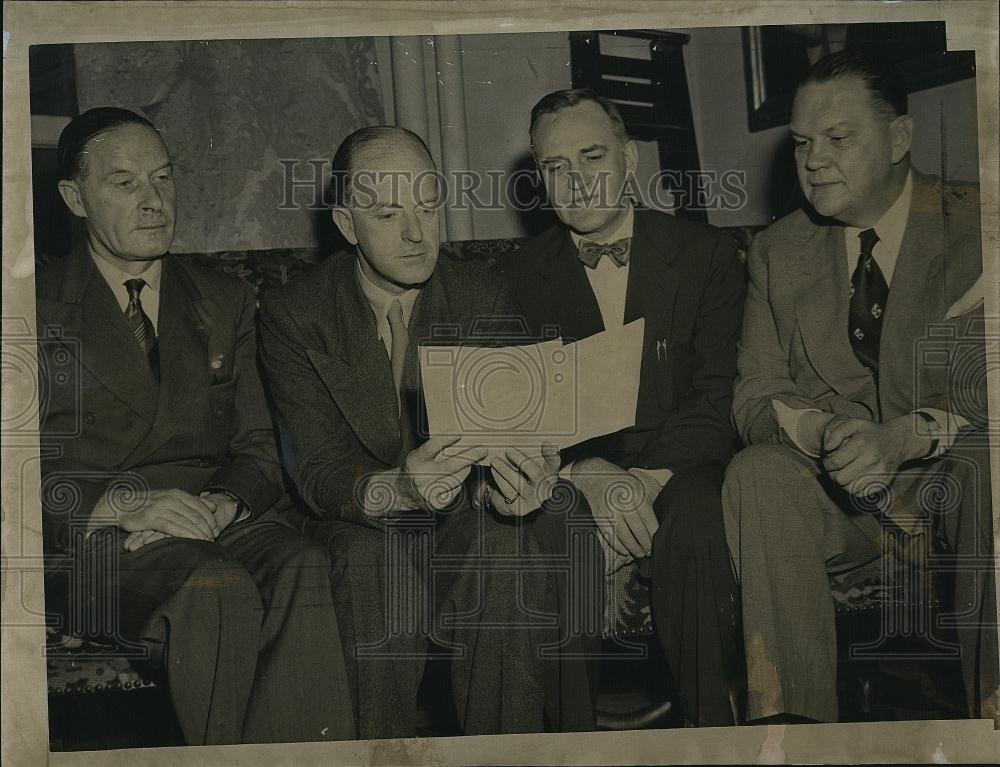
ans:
(84, 128)
(350, 148)
(880, 75)
(557, 101)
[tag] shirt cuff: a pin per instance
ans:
(942, 427)
(788, 420)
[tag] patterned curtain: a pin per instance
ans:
(230, 111)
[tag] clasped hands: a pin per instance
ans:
(621, 504)
(171, 513)
(431, 478)
(863, 456)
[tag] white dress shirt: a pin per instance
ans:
(380, 300)
(609, 282)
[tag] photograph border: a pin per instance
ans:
(23, 727)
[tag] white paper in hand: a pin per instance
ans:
(524, 396)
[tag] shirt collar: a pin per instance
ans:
(379, 299)
(892, 226)
(115, 276)
(624, 229)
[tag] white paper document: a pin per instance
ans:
(524, 396)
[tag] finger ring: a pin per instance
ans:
(510, 500)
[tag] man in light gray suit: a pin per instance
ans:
(852, 430)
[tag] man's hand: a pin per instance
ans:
(811, 428)
(522, 483)
(225, 508)
(171, 512)
(136, 541)
(430, 480)
(224, 513)
(619, 504)
(860, 455)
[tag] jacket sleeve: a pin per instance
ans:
(762, 360)
(253, 472)
(701, 430)
(330, 473)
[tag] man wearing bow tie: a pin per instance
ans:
(854, 434)
(162, 497)
(605, 264)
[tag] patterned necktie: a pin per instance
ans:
(869, 293)
(591, 252)
(140, 324)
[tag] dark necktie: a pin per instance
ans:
(591, 252)
(140, 324)
(869, 293)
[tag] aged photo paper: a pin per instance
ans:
(252, 100)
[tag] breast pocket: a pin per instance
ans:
(659, 379)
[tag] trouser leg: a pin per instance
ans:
(787, 535)
(695, 597)
(383, 613)
(192, 599)
(957, 494)
(518, 603)
(300, 692)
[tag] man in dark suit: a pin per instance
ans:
(340, 351)
(606, 264)
(861, 392)
(161, 489)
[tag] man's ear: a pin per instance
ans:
(70, 192)
(344, 220)
(631, 155)
(901, 130)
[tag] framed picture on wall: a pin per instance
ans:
(776, 57)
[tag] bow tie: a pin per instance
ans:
(591, 252)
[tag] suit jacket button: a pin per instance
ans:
(217, 412)
(89, 418)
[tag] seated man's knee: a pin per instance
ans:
(755, 461)
(213, 572)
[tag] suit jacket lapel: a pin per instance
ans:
(357, 373)
(652, 283)
(822, 315)
(183, 346)
(567, 290)
(917, 291)
(86, 308)
(431, 308)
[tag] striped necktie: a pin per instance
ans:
(140, 324)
